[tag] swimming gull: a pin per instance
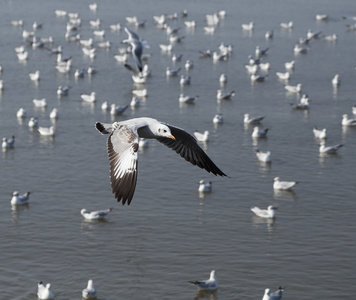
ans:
(89, 292)
(89, 97)
(277, 295)
(205, 186)
(263, 156)
(8, 143)
(122, 146)
(42, 103)
(54, 113)
(319, 133)
(18, 199)
(283, 185)
(33, 122)
(224, 96)
(218, 119)
(329, 149)
(202, 137)
(348, 122)
(21, 113)
(268, 213)
(95, 215)
(44, 292)
(252, 120)
(47, 131)
(257, 133)
(209, 284)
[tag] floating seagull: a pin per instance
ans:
(348, 122)
(294, 88)
(42, 103)
(137, 46)
(184, 80)
(248, 26)
(105, 105)
(283, 76)
(116, 110)
(8, 143)
(336, 81)
(135, 102)
(63, 90)
(289, 65)
(218, 119)
(331, 38)
(265, 66)
(303, 104)
(227, 96)
(21, 113)
(202, 137)
(319, 134)
(210, 284)
(122, 149)
(54, 114)
(44, 292)
(35, 76)
(283, 185)
(252, 69)
(259, 52)
(263, 156)
(33, 122)
(166, 48)
(268, 213)
(137, 77)
(18, 199)
(288, 25)
(95, 215)
(252, 120)
(79, 73)
(172, 72)
(140, 93)
(321, 17)
(269, 35)
(205, 186)
(257, 133)
(329, 149)
(354, 109)
(89, 98)
(223, 79)
(188, 65)
(277, 295)
(257, 78)
(187, 99)
(46, 131)
(313, 35)
(89, 292)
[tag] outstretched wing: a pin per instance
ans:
(122, 148)
(186, 146)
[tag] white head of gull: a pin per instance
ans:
(277, 295)
(44, 292)
(283, 185)
(268, 213)
(95, 215)
(89, 292)
(209, 284)
(122, 149)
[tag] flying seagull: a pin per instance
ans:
(122, 146)
(137, 46)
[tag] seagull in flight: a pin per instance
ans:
(123, 143)
(137, 46)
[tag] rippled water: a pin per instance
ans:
(170, 234)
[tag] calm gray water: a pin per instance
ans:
(169, 234)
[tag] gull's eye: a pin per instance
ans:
(164, 130)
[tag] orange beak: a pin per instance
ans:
(172, 137)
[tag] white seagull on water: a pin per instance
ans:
(277, 295)
(44, 292)
(329, 149)
(268, 213)
(122, 146)
(18, 199)
(210, 284)
(205, 186)
(89, 292)
(283, 185)
(95, 215)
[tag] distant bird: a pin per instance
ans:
(294, 88)
(331, 38)
(283, 76)
(46, 131)
(321, 17)
(8, 143)
(44, 292)
(166, 48)
(283, 185)
(137, 77)
(41, 103)
(21, 113)
(79, 73)
(135, 102)
(63, 90)
(257, 133)
(257, 78)
(223, 79)
(95, 215)
(289, 65)
(252, 120)
(288, 25)
(248, 26)
(122, 146)
(224, 96)
(184, 80)
(259, 52)
(137, 46)
(176, 57)
(264, 66)
(116, 110)
(269, 35)
(35, 76)
(303, 104)
(54, 114)
(89, 292)
(354, 109)
(218, 119)
(18, 199)
(210, 284)
(89, 98)
(33, 122)
(313, 35)
(268, 213)
(172, 72)
(187, 99)
(277, 295)
(329, 149)
(348, 122)
(202, 137)
(188, 65)
(335, 81)
(299, 50)
(205, 186)
(319, 133)
(105, 105)
(140, 93)
(263, 156)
